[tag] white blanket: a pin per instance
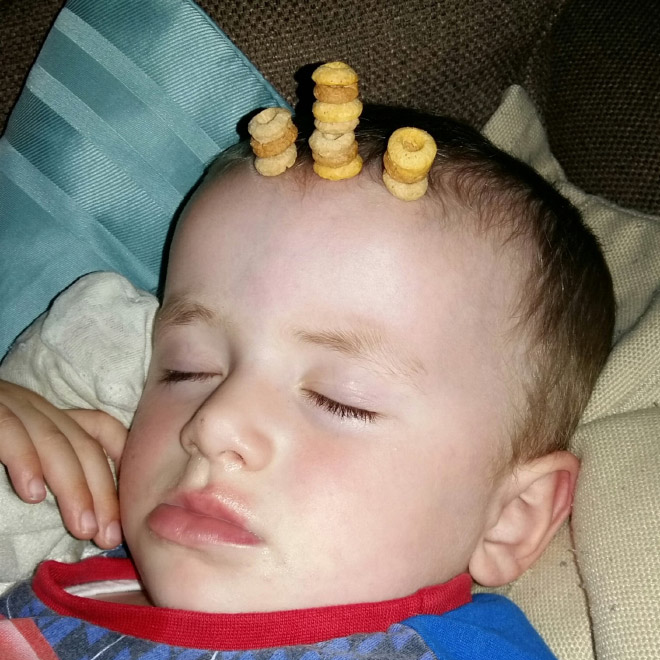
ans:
(91, 350)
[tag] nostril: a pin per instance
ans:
(188, 436)
(231, 460)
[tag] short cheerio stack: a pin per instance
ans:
(407, 161)
(336, 114)
(273, 136)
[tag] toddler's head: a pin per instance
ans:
(352, 397)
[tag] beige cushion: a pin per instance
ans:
(607, 585)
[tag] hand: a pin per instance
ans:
(68, 450)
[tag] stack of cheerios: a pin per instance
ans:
(336, 115)
(408, 159)
(273, 136)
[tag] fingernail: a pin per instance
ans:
(88, 523)
(113, 533)
(36, 489)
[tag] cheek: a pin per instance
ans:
(154, 435)
(359, 485)
(405, 494)
(398, 515)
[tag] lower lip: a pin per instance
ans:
(182, 526)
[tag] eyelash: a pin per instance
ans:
(341, 410)
(171, 376)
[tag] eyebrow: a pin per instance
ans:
(183, 311)
(366, 344)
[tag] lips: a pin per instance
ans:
(198, 519)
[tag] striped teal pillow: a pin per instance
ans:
(125, 106)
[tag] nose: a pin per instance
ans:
(233, 427)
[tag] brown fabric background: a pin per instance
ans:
(23, 27)
(450, 57)
(592, 66)
(599, 77)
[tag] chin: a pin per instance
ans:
(193, 596)
(187, 584)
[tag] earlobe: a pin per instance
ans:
(532, 503)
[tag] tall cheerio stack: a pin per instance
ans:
(336, 114)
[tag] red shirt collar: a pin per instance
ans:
(231, 631)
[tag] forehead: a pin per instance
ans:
(357, 208)
(343, 253)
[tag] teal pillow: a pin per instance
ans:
(125, 106)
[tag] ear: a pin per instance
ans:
(531, 504)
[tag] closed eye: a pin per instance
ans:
(341, 410)
(171, 376)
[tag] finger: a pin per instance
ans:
(102, 485)
(63, 472)
(55, 444)
(96, 468)
(20, 457)
(104, 428)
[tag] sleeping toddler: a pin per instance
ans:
(356, 407)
